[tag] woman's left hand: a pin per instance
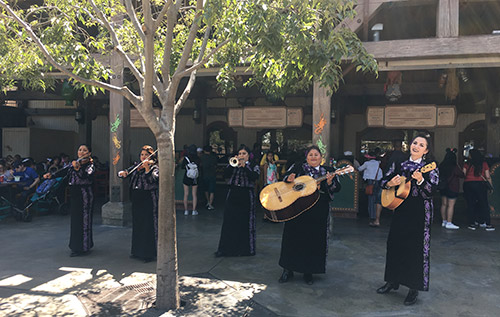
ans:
(329, 178)
(417, 176)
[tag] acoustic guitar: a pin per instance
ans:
(284, 201)
(394, 196)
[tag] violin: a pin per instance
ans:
(146, 164)
(75, 164)
(81, 161)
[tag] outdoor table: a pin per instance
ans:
(8, 189)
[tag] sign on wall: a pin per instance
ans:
(411, 116)
(136, 120)
(265, 117)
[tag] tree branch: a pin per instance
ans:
(133, 18)
(116, 42)
(161, 15)
(123, 91)
(167, 50)
(188, 46)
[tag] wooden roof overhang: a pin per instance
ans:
(437, 53)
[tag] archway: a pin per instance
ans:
(473, 137)
(221, 138)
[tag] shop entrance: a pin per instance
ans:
(473, 137)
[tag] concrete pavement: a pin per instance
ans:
(38, 278)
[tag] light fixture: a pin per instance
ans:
(496, 112)
(376, 31)
(80, 115)
(196, 114)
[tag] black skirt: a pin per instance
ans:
(144, 223)
(305, 240)
(81, 203)
(238, 228)
(407, 260)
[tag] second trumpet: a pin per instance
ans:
(233, 161)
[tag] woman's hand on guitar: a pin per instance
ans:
(291, 177)
(47, 175)
(76, 165)
(417, 175)
(329, 178)
(395, 181)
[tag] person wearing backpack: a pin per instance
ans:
(449, 185)
(191, 163)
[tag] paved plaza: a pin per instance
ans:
(38, 278)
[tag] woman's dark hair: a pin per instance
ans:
(312, 147)
(243, 147)
(448, 164)
(87, 146)
(150, 150)
(429, 157)
(476, 160)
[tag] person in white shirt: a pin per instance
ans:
(372, 174)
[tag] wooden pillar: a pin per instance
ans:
(117, 212)
(447, 18)
(321, 119)
(492, 124)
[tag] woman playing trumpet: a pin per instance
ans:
(144, 197)
(80, 178)
(238, 227)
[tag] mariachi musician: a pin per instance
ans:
(80, 178)
(237, 236)
(408, 243)
(305, 238)
(144, 197)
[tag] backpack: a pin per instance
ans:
(191, 169)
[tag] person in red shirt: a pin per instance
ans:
(477, 172)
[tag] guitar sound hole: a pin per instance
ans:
(298, 187)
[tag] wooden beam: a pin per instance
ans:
(439, 63)
(447, 18)
(465, 46)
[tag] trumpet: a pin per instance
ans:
(233, 161)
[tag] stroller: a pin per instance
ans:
(46, 199)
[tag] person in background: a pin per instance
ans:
(6, 172)
(449, 186)
(144, 197)
(237, 236)
(397, 156)
(29, 179)
(477, 172)
(269, 168)
(190, 158)
(372, 174)
(408, 244)
(209, 175)
(304, 244)
(348, 156)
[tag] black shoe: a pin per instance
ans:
(74, 253)
(411, 298)
(218, 254)
(285, 276)
(387, 288)
(308, 278)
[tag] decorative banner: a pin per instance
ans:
(116, 124)
(321, 125)
(265, 117)
(116, 159)
(118, 143)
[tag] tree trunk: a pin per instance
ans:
(167, 284)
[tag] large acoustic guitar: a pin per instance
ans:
(394, 196)
(284, 201)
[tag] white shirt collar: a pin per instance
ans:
(416, 161)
